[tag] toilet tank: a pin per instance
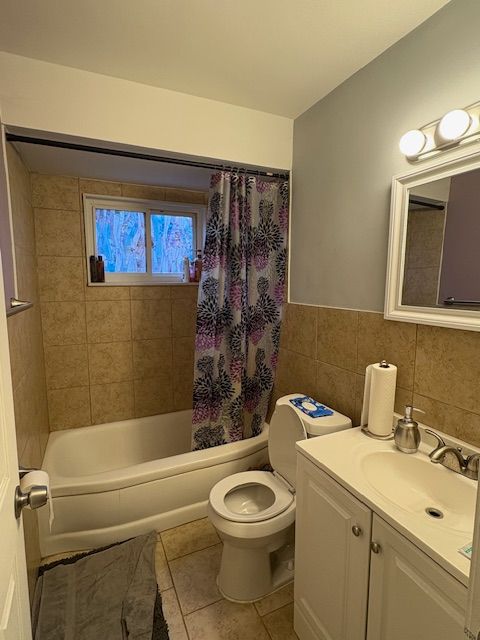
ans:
(320, 425)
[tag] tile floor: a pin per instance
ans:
(187, 563)
(187, 560)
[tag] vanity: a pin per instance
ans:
(377, 539)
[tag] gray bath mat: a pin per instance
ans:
(109, 593)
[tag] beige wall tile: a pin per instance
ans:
(189, 291)
(152, 397)
(107, 293)
(468, 429)
(336, 388)
(158, 292)
(66, 366)
(447, 366)
(152, 358)
(100, 187)
(26, 270)
(19, 342)
(63, 323)
(439, 415)
(184, 317)
(394, 341)
(337, 337)
(144, 192)
(58, 233)
(151, 319)
(183, 350)
(110, 362)
(183, 385)
(184, 195)
(55, 192)
(111, 402)
(108, 321)
(296, 373)
(69, 408)
(299, 330)
(61, 279)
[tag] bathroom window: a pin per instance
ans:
(142, 241)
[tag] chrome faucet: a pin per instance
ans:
(468, 466)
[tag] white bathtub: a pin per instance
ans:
(113, 481)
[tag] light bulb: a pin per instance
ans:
(412, 143)
(454, 124)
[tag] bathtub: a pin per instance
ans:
(113, 481)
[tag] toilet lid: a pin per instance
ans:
(286, 428)
(281, 497)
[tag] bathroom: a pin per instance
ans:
(341, 147)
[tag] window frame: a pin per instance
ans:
(91, 202)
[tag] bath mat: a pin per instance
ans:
(105, 593)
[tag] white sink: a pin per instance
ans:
(400, 487)
(416, 484)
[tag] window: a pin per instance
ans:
(142, 241)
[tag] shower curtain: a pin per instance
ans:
(239, 307)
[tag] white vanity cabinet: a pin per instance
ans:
(357, 578)
(332, 557)
(411, 596)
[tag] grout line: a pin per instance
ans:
(205, 606)
(190, 553)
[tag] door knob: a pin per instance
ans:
(356, 530)
(375, 547)
(36, 497)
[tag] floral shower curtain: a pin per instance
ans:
(239, 308)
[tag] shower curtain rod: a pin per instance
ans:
(13, 137)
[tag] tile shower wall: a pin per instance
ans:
(324, 352)
(111, 353)
(26, 349)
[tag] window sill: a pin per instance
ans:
(143, 284)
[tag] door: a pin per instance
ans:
(411, 596)
(332, 552)
(14, 602)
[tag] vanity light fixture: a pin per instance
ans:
(456, 127)
(412, 143)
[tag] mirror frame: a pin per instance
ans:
(455, 318)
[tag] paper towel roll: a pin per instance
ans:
(379, 398)
(35, 479)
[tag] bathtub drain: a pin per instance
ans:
(434, 513)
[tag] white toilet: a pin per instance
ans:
(254, 511)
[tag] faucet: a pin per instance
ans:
(469, 465)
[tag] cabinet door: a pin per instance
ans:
(331, 562)
(411, 596)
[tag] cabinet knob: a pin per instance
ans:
(375, 547)
(356, 531)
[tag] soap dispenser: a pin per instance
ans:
(407, 434)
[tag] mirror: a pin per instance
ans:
(433, 272)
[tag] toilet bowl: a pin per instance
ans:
(254, 511)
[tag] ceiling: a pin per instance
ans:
(279, 56)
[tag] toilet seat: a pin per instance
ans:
(250, 482)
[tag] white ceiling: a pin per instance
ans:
(279, 56)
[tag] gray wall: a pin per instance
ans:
(346, 152)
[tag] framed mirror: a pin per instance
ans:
(433, 272)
